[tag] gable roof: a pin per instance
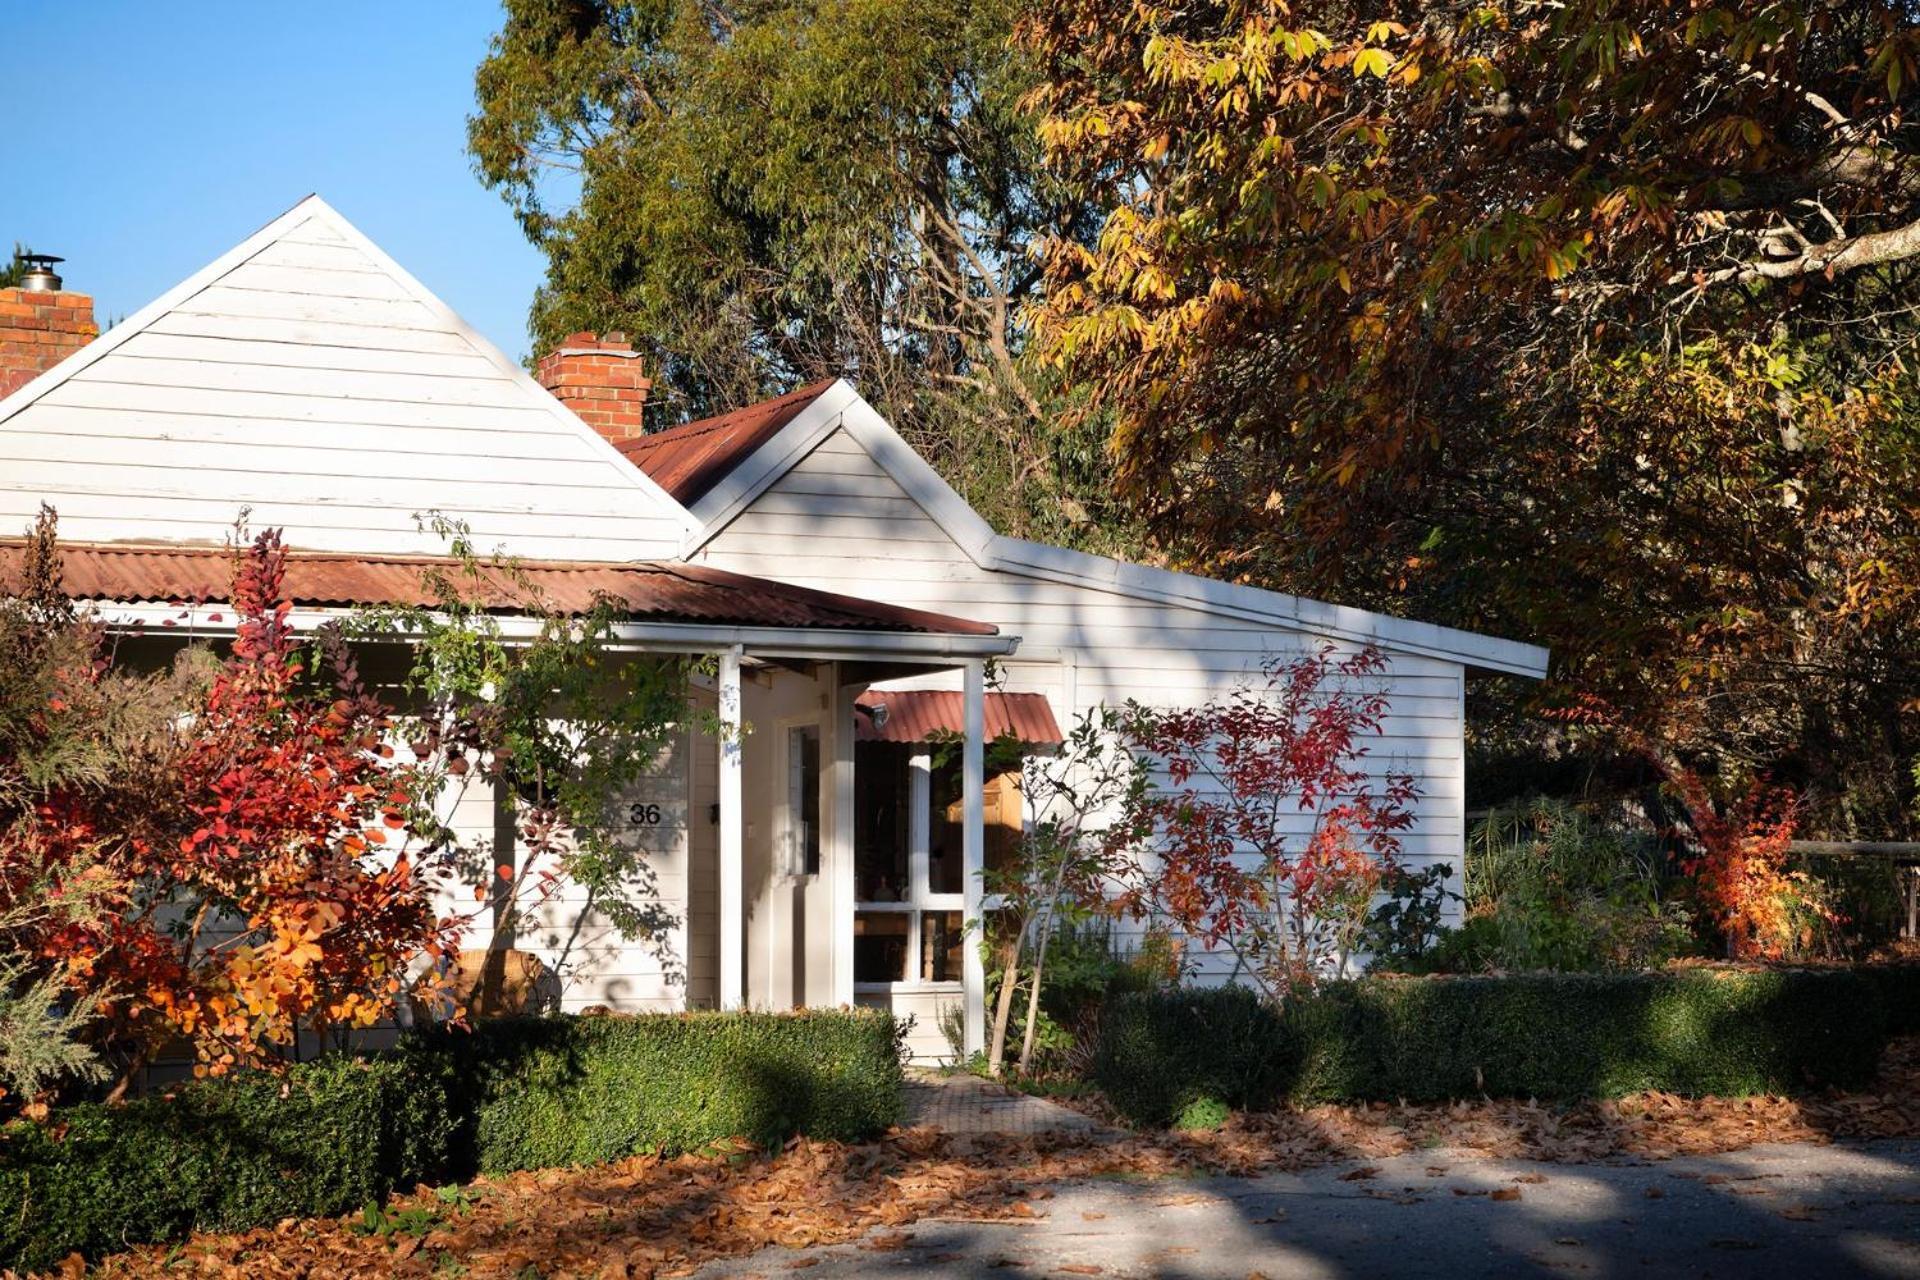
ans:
(658, 592)
(688, 461)
(839, 407)
(305, 373)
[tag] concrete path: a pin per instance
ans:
(1782, 1212)
(968, 1104)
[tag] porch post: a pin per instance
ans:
(973, 845)
(732, 847)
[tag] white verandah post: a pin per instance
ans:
(973, 845)
(732, 845)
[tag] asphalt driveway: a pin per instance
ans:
(1786, 1212)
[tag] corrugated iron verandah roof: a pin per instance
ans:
(646, 591)
(919, 715)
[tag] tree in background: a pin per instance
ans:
(14, 270)
(769, 192)
(1586, 322)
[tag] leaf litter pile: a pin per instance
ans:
(647, 1216)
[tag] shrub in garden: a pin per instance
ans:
(222, 1154)
(250, 1148)
(534, 1093)
(1551, 887)
(1284, 886)
(1162, 1052)
(1560, 1036)
(251, 796)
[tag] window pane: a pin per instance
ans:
(803, 762)
(941, 940)
(881, 831)
(880, 946)
(946, 855)
(946, 868)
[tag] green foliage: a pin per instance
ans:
(340, 1134)
(13, 270)
(534, 1093)
(1202, 1115)
(1548, 886)
(223, 1154)
(560, 721)
(1402, 930)
(1161, 1052)
(1559, 1036)
(796, 190)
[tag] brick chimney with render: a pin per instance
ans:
(601, 380)
(38, 329)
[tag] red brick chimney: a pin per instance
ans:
(600, 379)
(40, 325)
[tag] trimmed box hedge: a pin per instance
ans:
(331, 1136)
(224, 1154)
(1547, 1036)
(536, 1093)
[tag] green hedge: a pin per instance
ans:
(535, 1093)
(1549, 1036)
(329, 1137)
(219, 1154)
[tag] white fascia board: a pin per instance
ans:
(823, 644)
(1256, 604)
(722, 504)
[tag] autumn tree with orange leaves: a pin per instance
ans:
(239, 836)
(1589, 323)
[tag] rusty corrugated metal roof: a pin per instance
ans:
(919, 715)
(647, 591)
(689, 461)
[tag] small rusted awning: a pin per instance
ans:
(920, 715)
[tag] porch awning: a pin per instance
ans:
(920, 715)
(643, 590)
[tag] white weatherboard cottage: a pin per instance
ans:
(823, 858)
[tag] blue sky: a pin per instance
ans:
(150, 138)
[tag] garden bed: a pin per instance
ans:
(651, 1215)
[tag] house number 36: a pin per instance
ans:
(644, 815)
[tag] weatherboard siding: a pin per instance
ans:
(310, 384)
(838, 522)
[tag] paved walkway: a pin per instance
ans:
(1800, 1212)
(968, 1104)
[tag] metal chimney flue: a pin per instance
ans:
(40, 277)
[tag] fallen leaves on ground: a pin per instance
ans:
(647, 1216)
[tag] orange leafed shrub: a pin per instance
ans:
(245, 838)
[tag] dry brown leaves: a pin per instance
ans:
(647, 1217)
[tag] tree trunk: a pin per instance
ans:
(1033, 994)
(1009, 979)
